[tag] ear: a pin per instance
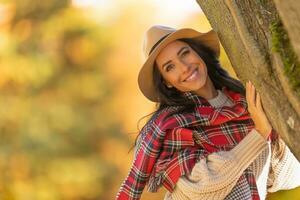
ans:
(168, 84)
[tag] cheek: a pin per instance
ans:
(172, 77)
(203, 69)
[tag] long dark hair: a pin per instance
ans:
(173, 97)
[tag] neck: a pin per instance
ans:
(208, 91)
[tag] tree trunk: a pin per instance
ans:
(261, 39)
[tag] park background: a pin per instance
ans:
(70, 104)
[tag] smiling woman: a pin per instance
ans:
(209, 137)
(186, 71)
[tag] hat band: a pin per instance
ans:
(157, 43)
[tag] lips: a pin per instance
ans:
(192, 75)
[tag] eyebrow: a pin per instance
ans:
(177, 54)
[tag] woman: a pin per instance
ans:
(209, 137)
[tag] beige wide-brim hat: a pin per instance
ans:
(156, 38)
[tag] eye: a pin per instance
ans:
(185, 52)
(169, 67)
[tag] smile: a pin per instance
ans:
(193, 76)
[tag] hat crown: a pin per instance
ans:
(153, 36)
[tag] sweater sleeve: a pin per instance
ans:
(214, 177)
(285, 168)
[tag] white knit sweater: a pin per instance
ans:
(214, 176)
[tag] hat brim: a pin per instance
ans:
(145, 80)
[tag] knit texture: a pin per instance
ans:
(167, 148)
(215, 177)
(261, 164)
(223, 169)
(285, 168)
(210, 139)
(220, 100)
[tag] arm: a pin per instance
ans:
(144, 159)
(285, 168)
(148, 149)
(217, 174)
(214, 176)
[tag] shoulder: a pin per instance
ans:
(154, 125)
(159, 119)
(162, 115)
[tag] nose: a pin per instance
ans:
(184, 67)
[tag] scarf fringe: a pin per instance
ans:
(154, 183)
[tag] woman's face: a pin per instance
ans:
(181, 67)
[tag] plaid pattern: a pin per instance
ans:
(171, 144)
(241, 190)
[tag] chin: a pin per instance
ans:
(199, 85)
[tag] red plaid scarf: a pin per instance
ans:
(168, 150)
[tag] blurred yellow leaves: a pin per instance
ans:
(69, 100)
(76, 177)
(21, 72)
(80, 51)
(53, 114)
(22, 29)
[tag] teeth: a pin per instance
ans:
(192, 76)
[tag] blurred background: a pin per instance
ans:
(69, 100)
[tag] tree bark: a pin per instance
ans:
(244, 28)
